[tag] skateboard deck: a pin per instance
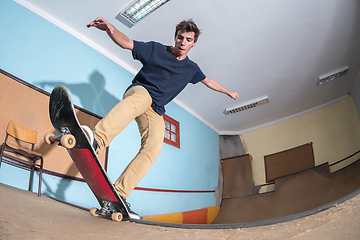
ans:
(71, 136)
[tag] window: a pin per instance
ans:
(172, 131)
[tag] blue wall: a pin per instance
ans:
(42, 54)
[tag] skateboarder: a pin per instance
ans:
(165, 73)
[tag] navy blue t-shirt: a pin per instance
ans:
(162, 74)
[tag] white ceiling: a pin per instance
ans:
(259, 48)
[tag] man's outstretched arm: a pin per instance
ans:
(118, 37)
(217, 87)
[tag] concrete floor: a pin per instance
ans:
(24, 215)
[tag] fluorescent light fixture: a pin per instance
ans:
(252, 104)
(331, 76)
(137, 10)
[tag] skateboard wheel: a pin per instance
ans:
(116, 216)
(47, 137)
(68, 141)
(93, 212)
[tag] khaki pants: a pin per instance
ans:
(136, 104)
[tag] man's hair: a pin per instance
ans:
(188, 26)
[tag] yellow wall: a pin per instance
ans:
(334, 131)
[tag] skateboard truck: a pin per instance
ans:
(65, 139)
(108, 211)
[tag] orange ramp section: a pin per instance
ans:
(200, 216)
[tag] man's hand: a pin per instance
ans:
(102, 24)
(210, 83)
(233, 95)
(119, 38)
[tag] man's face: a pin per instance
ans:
(184, 41)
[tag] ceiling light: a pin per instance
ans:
(253, 104)
(331, 76)
(137, 10)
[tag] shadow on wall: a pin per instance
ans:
(64, 183)
(93, 96)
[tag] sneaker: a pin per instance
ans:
(132, 214)
(90, 136)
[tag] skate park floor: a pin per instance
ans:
(24, 215)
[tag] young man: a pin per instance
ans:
(165, 73)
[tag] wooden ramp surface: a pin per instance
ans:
(24, 215)
(294, 194)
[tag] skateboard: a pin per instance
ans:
(74, 139)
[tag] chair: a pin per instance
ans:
(18, 150)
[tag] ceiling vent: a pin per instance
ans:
(254, 104)
(331, 76)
